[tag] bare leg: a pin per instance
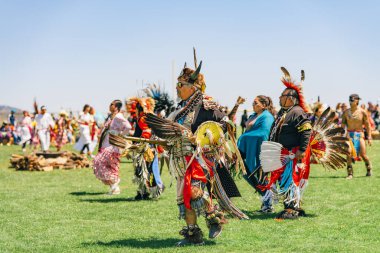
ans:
(191, 217)
(363, 154)
(350, 170)
(363, 151)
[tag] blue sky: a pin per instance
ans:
(67, 53)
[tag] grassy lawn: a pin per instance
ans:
(67, 211)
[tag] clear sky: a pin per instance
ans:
(67, 53)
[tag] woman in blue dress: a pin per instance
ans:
(257, 130)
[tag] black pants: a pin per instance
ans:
(85, 146)
(25, 143)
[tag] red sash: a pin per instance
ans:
(195, 171)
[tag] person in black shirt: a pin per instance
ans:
(291, 129)
(292, 126)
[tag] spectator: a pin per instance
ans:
(12, 118)
(243, 121)
(6, 134)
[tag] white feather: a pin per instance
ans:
(271, 157)
(210, 136)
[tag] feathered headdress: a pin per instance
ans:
(163, 102)
(131, 106)
(290, 84)
(193, 77)
(147, 104)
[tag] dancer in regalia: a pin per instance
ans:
(197, 147)
(293, 139)
(145, 156)
(107, 161)
(353, 119)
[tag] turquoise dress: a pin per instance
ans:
(250, 141)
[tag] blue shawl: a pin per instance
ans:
(249, 143)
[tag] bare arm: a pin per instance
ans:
(367, 126)
(232, 114)
(344, 121)
(35, 107)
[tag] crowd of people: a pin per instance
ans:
(275, 149)
(40, 130)
(197, 140)
(83, 130)
(373, 112)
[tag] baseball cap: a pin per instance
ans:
(354, 97)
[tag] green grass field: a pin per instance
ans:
(67, 211)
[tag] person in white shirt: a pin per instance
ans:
(44, 123)
(25, 130)
(84, 128)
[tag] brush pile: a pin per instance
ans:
(49, 161)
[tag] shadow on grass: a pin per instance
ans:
(125, 161)
(255, 215)
(330, 177)
(86, 193)
(109, 200)
(340, 177)
(150, 243)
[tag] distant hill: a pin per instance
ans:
(7, 109)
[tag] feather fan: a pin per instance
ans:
(328, 145)
(167, 129)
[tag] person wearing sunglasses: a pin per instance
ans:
(353, 119)
(192, 111)
(292, 129)
(194, 171)
(258, 127)
(107, 161)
